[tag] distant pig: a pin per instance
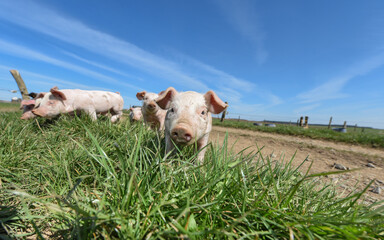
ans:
(189, 119)
(135, 114)
(153, 115)
(69, 101)
(28, 105)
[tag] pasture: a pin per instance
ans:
(72, 178)
(369, 137)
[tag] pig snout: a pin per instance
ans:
(151, 105)
(37, 112)
(181, 134)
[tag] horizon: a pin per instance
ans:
(275, 61)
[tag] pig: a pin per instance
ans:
(188, 119)
(135, 114)
(28, 105)
(57, 101)
(153, 115)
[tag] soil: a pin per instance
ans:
(324, 155)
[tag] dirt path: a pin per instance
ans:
(324, 155)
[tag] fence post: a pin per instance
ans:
(345, 124)
(20, 83)
(306, 122)
(355, 127)
(330, 121)
(301, 121)
(223, 115)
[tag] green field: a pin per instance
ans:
(9, 107)
(368, 137)
(72, 178)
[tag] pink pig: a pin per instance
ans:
(189, 119)
(72, 100)
(153, 115)
(135, 114)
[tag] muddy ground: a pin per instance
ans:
(324, 155)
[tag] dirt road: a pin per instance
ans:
(324, 155)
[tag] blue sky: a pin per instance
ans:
(275, 60)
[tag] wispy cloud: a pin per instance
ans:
(24, 52)
(48, 81)
(101, 66)
(332, 89)
(245, 20)
(51, 23)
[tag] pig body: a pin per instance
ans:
(135, 114)
(73, 100)
(153, 115)
(189, 118)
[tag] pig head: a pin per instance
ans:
(188, 118)
(28, 105)
(69, 101)
(153, 115)
(135, 114)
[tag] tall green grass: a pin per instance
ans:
(371, 138)
(72, 178)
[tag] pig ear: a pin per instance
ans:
(165, 98)
(57, 93)
(40, 95)
(214, 103)
(140, 95)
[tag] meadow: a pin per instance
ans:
(366, 137)
(72, 178)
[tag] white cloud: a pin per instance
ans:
(332, 89)
(51, 23)
(242, 15)
(23, 52)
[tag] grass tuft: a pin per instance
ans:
(72, 178)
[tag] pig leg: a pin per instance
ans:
(116, 116)
(92, 114)
(200, 145)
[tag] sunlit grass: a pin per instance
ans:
(72, 178)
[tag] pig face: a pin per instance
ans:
(51, 105)
(27, 106)
(149, 103)
(135, 114)
(188, 118)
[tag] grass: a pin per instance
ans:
(72, 178)
(370, 137)
(9, 106)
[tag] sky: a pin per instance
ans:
(270, 60)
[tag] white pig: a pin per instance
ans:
(69, 101)
(135, 114)
(189, 119)
(153, 115)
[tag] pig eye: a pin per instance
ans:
(172, 110)
(203, 112)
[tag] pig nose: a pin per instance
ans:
(152, 105)
(181, 133)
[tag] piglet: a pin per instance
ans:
(69, 101)
(135, 114)
(153, 115)
(188, 118)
